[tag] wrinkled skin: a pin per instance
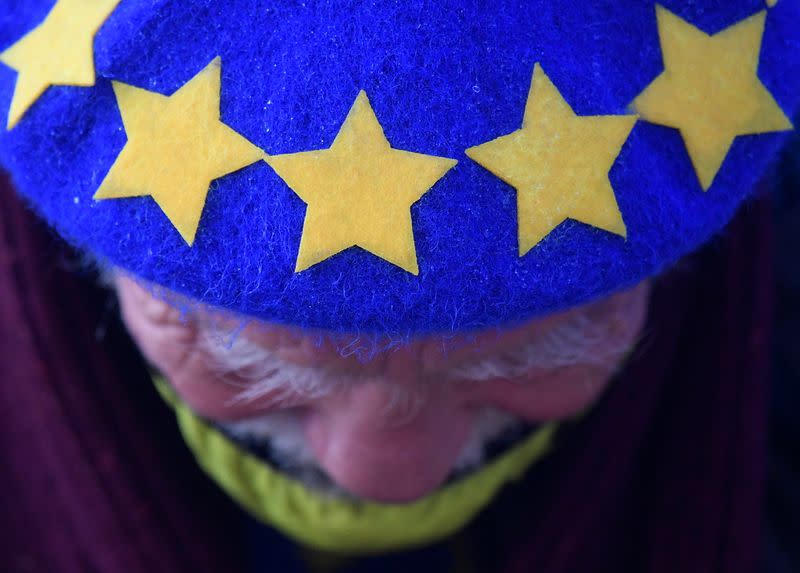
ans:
(374, 451)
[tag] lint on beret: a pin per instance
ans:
(394, 167)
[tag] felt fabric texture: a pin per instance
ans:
(359, 192)
(665, 474)
(442, 77)
(176, 147)
(340, 526)
(60, 51)
(558, 163)
(711, 108)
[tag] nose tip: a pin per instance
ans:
(387, 449)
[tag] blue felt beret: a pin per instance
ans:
(532, 98)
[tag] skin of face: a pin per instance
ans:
(368, 442)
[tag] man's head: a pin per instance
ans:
(440, 171)
(393, 426)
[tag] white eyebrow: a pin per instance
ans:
(579, 340)
(260, 371)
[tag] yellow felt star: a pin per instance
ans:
(558, 163)
(359, 192)
(176, 147)
(710, 90)
(58, 52)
